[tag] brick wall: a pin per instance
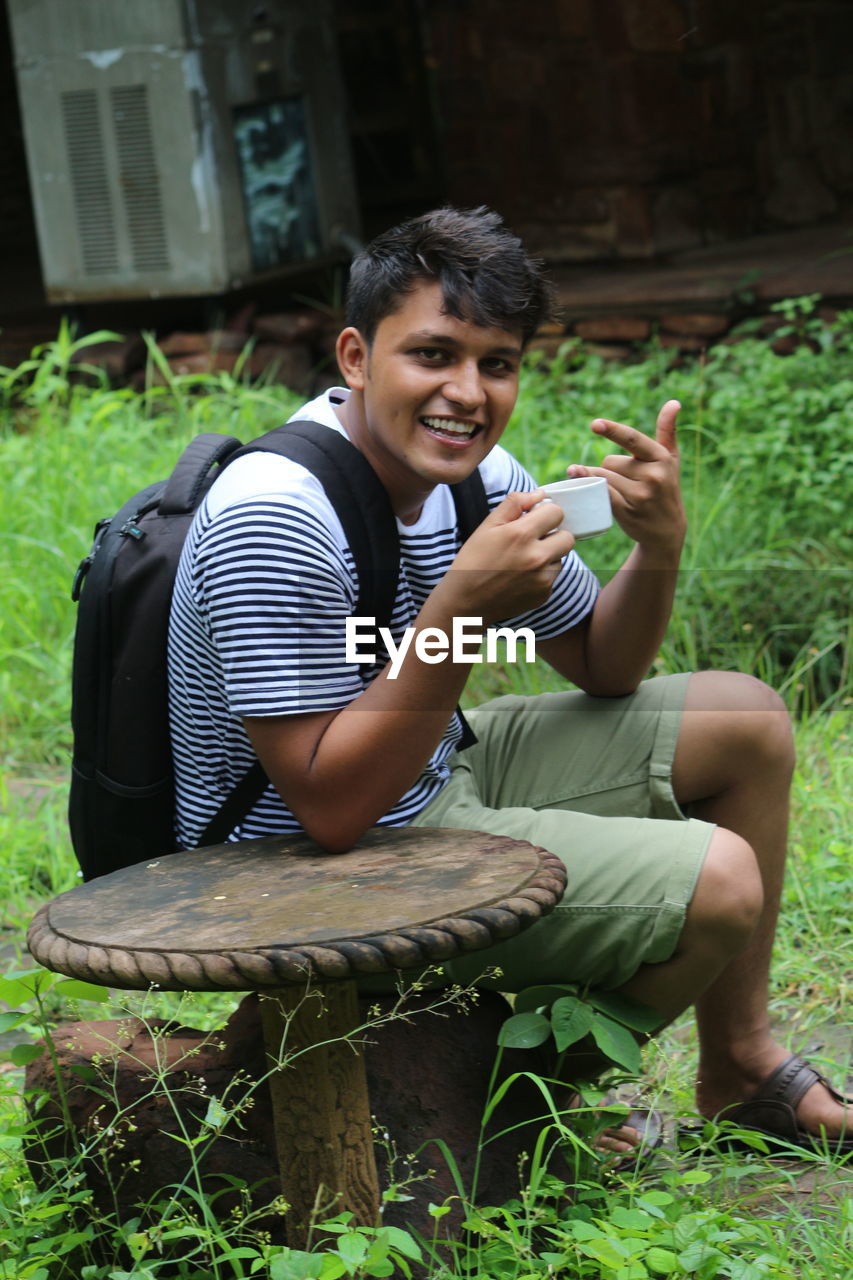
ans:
(630, 128)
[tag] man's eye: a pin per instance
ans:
(430, 355)
(496, 364)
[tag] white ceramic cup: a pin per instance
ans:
(585, 504)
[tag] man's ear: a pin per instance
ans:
(352, 355)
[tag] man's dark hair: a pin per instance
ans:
(484, 273)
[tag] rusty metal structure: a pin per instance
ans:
(182, 147)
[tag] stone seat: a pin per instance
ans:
(278, 916)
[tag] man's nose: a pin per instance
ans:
(464, 386)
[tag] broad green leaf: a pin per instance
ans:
(634, 1271)
(402, 1241)
(27, 982)
(571, 1019)
(700, 1254)
(532, 998)
(239, 1253)
(524, 1031)
(379, 1267)
(14, 993)
(22, 1054)
(8, 1021)
(654, 1200)
(352, 1247)
(663, 1262)
(295, 1264)
(138, 1243)
(74, 989)
(632, 1219)
(740, 1269)
(637, 1016)
(333, 1267)
(584, 1230)
(616, 1042)
(610, 1252)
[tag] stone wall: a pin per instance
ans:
(636, 128)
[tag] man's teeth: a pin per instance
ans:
(449, 427)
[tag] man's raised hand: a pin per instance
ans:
(644, 482)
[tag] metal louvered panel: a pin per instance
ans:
(140, 179)
(89, 181)
(141, 192)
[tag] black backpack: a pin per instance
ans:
(122, 797)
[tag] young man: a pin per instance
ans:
(666, 798)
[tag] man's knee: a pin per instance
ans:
(770, 725)
(750, 724)
(729, 895)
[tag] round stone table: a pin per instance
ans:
(280, 917)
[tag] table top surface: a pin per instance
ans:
(267, 912)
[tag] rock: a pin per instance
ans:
(615, 328)
(18, 343)
(289, 365)
(291, 326)
(697, 324)
(549, 347)
(683, 341)
(428, 1077)
(117, 357)
(189, 344)
(610, 350)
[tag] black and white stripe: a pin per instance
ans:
(265, 584)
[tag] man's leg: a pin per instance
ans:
(733, 767)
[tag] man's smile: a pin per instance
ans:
(456, 429)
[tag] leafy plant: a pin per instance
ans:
(766, 449)
(569, 1016)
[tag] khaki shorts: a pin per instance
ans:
(589, 779)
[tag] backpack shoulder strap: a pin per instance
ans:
(472, 506)
(360, 502)
(192, 470)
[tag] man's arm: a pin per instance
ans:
(340, 771)
(612, 650)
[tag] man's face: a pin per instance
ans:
(431, 396)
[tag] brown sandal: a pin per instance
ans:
(772, 1111)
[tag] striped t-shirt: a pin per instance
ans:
(264, 587)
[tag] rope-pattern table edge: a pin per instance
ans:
(252, 969)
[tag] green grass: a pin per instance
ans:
(766, 447)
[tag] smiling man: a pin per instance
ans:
(666, 798)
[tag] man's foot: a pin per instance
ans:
(638, 1134)
(793, 1103)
